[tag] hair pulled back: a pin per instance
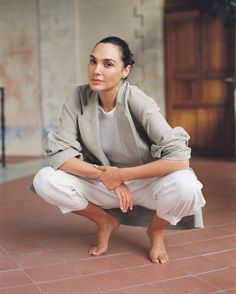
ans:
(126, 54)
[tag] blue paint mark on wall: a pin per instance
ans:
(24, 132)
(19, 132)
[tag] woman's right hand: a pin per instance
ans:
(125, 197)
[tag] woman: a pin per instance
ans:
(113, 149)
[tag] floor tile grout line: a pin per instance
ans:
(170, 279)
(77, 275)
(190, 275)
(16, 286)
(22, 268)
(34, 267)
(95, 274)
(100, 257)
(213, 271)
(41, 290)
(202, 240)
(26, 254)
(5, 251)
(203, 272)
(221, 251)
(198, 255)
(175, 232)
(33, 282)
(208, 283)
(125, 288)
(177, 244)
(52, 252)
(234, 288)
(107, 255)
(55, 263)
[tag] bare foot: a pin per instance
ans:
(157, 252)
(104, 232)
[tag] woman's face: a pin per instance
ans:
(105, 68)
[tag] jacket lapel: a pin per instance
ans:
(128, 132)
(89, 129)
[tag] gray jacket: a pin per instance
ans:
(146, 134)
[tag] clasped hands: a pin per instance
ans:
(112, 180)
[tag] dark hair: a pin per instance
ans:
(127, 56)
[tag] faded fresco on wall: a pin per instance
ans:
(20, 77)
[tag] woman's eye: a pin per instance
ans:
(108, 64)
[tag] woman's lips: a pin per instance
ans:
(96, 81)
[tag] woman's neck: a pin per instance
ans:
(107, 99)
(107, 105)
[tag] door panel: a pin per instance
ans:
(199, 59)
(187, 59)
(214, 92)
(211, 129)
(216, 46)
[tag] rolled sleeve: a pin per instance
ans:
(58, 150)
(62, 156)
(172, 145)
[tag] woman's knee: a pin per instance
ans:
(181, 195)
(57, 188)
(187, 188)
(42, 180)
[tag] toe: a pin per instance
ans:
(95, 251)
(163, 258)
(154, 258)
(92, 251)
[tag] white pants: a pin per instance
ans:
(172, 196)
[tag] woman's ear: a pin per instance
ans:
(126, 71)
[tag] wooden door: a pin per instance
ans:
(199, 81)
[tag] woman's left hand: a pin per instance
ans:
(111, 177)
(125, 197)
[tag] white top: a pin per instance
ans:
(110, 139)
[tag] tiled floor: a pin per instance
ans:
(43, 251)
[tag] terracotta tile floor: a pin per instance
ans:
(43, 251)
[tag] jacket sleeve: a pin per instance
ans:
(62, 144)
(166, 142)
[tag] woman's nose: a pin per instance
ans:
(97, 69)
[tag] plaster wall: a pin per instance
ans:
(19, 75)
(57, 43)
